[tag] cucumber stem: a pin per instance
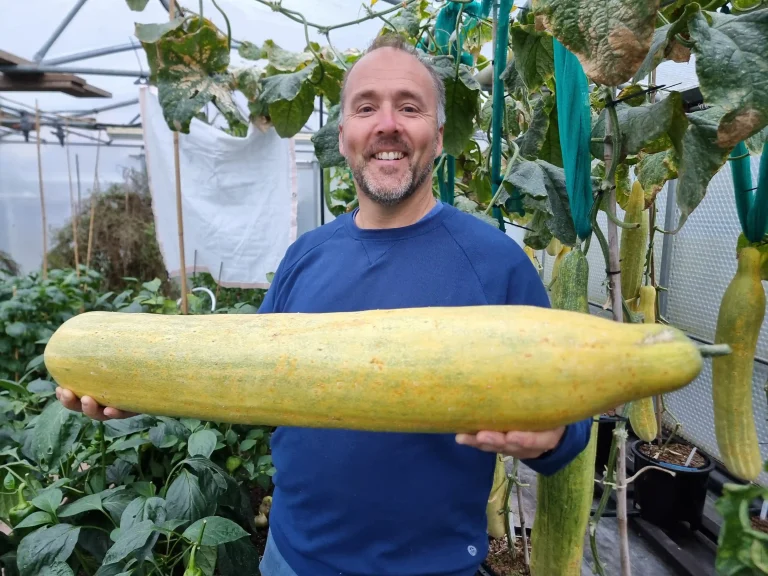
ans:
(714, 350)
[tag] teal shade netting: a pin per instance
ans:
(751, 201)
(575, 128)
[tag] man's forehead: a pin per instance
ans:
(402, 72)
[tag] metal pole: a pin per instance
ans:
(322, 175)
(86, 144)
(77, 169)
(89, 54)
(666, 249)
(32, 69)
(84, 112)
(56, 33)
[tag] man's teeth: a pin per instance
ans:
(389, 155)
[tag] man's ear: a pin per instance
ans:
(440, 140)
(341, 140)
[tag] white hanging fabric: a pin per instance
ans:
(239, 197)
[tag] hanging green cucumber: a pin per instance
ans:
(564, 499)
(641, 413)
(633, 246)
(742, 310)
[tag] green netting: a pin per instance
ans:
(751, 201)
(575, 127)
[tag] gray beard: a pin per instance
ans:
(387, 195)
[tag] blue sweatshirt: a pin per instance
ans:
(355, 503)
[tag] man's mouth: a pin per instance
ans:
(389, 156)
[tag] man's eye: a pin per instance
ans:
(410, 109)
(365, 109)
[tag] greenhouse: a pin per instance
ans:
(383, 287)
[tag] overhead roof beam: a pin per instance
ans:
(40, 54)
(89, 54)
(43, 69)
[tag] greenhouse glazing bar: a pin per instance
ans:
(27, 69)
(666, 249)
(56, 33)
(89, 54)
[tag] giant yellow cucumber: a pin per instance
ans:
(641, 413)
(742, 310)
(564, 499)
(432, 369)
(633, 246)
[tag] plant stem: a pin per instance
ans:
(458, 41)
(103, 456)
(507, 525)
(520, 513)
(625, 225)
(506, 174)
(339, 58)
(608, 481)
(621, 505)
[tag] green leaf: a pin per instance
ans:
(217, 531)
(284, 60)
(545, 182)
(291, 100)
(42, 387)
(13, 387)
(407, 20)
(151, 33)
(534, 55)
(45, 547)
(84, 504)
(215, 484)
(471, 207)
(49, 501)
(701, 159)
(327, 77)
(56, 569)
(326, 141)
(116, 500)
(513, 82)
(16, 330)
(250, 51)
(116, 428)
(186, 501)
(130, 541)
(532, 140)
(654, 170)
(205, 559)
(55, 434)
(551, 149)
(737, 538)
(36, 362)
(238, 558)
(189, 66)
(651, 127)
(462, 104)
(152, 286)
(202, 443)
(137, 5)
(247, 444)
(609, 37)
(38, 518)
(141, 509)
(731, 65)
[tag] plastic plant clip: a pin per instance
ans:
(575, 128)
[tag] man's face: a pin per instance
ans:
(389, 134)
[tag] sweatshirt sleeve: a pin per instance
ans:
(527, 289)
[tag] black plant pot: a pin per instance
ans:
(667, 500)
(605, 428)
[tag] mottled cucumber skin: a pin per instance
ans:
(741, 314)
(642, 416)
(564, 499)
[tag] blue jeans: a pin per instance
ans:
(272, 562)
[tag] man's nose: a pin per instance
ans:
(387, 120)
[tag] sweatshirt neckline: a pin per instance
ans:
(426, 224)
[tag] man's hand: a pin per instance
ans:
(89, 406)
(522, 445)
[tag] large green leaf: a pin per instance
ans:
(407, 20)
(462, 104)
(534, 55)
(701, 159)
(55, 434)
(217, 531)
(130, 541)
(291, 100)
(202, 443)
(250, 51)
(544, 184)
(732, 66)
(756, 142)
(45, 547)
(532, 140)
(662, 47)
(650, 127)
(609, 37)
(284, 60)
(653, 170)
(326, 141)
(188, 63)
(186, 501)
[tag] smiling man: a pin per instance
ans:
(371, 504)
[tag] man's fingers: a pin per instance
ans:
(68, 399)
(117, 413)
(92, 409)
